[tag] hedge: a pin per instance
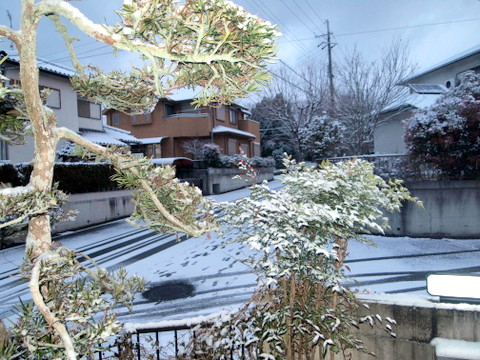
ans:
(73, 178)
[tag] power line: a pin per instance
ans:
(89, 56)
(314, 11)
(287, 81)
(299, 75)
(63, 58)
(294, 14)
(261, 8)
(306, 15)
(388, 29)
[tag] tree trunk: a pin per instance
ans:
(39, 232)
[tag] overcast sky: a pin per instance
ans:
(433, 29)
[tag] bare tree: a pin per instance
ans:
(293, 100)
(211, 43)
(365, 88)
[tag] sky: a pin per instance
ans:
(433, 30)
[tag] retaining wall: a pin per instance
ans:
(100, 207)
(96, 208)
(452, 209)
(219, 180)
(419, 321)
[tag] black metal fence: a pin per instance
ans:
(161, 343)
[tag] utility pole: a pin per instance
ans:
(329, 45)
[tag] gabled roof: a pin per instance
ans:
(415, 101)
(110, 136)
(463, 55)
(46, 66)
(120, 134)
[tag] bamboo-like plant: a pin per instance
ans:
(209, 43)
(299, 235)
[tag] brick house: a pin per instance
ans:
(172, 123)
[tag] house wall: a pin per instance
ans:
(388, 135)
(440, 76)
(183, 126)
(67, 114)
(251, 127)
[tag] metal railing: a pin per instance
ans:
(158, 347)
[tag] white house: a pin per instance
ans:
(426, 86)
(73, 112)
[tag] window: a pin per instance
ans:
(146, 117)
(233, 116)
(232, 146)
(257, 150)
(88, 109)
(133, 119)
(153, 151)
(188, 108)
(169, 109)
(53, 100)
(116, 119)
(221, 113)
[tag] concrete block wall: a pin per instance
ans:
(418, 323)
(96, 208)
(452, 209)
(219, 180)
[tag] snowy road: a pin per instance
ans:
(211, 277)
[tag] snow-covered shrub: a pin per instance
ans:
(232, 161)
(321, 138)
(301, 233)
(211, 154)
(447, 134)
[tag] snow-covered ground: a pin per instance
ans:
(217, 277)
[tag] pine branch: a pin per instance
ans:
(37, 297)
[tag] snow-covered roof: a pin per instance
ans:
(109, 136)
(152, 140)
(120, 134)
(417, 101)
(101, 138)
(48, 66)
(224, 129)
(167, 161)
(463, 55)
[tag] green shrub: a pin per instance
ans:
(9, 175)
(73, 178)
(77, 178)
